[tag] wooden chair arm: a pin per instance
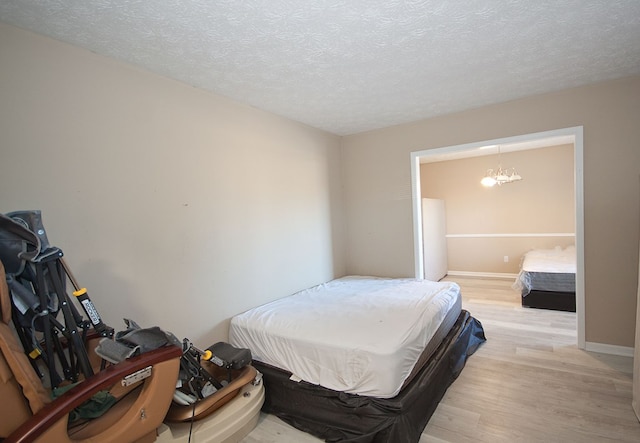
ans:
(63, 405)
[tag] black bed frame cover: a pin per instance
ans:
(558, 301)
(340, 417)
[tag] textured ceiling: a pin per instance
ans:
(354, 65)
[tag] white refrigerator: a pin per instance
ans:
(434, 240)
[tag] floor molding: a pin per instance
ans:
(604, 348)
(504, 275)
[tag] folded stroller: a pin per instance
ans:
(47, 321)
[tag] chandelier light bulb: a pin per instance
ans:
(488, 181)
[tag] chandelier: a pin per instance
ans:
(500, 176)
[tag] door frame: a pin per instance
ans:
(576, 133)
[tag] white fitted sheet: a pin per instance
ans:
(361, 335)
(556, 260)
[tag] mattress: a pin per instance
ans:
(359, 335)
(339, 417)
(552, 270)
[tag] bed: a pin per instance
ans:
(359, 359)
(547, 279)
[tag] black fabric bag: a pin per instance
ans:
(18, 239)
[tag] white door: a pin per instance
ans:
(434, 230)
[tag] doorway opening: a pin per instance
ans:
(572, 135)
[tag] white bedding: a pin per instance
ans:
(360, 335)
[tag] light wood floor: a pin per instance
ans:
(528, 383)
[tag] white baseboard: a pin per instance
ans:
(603, 348)
(482, 274)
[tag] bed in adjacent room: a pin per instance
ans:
(547, 279)
(360, 358)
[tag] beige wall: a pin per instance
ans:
(541, 203)
(181, 208)
(377, 178)
(174, 207)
